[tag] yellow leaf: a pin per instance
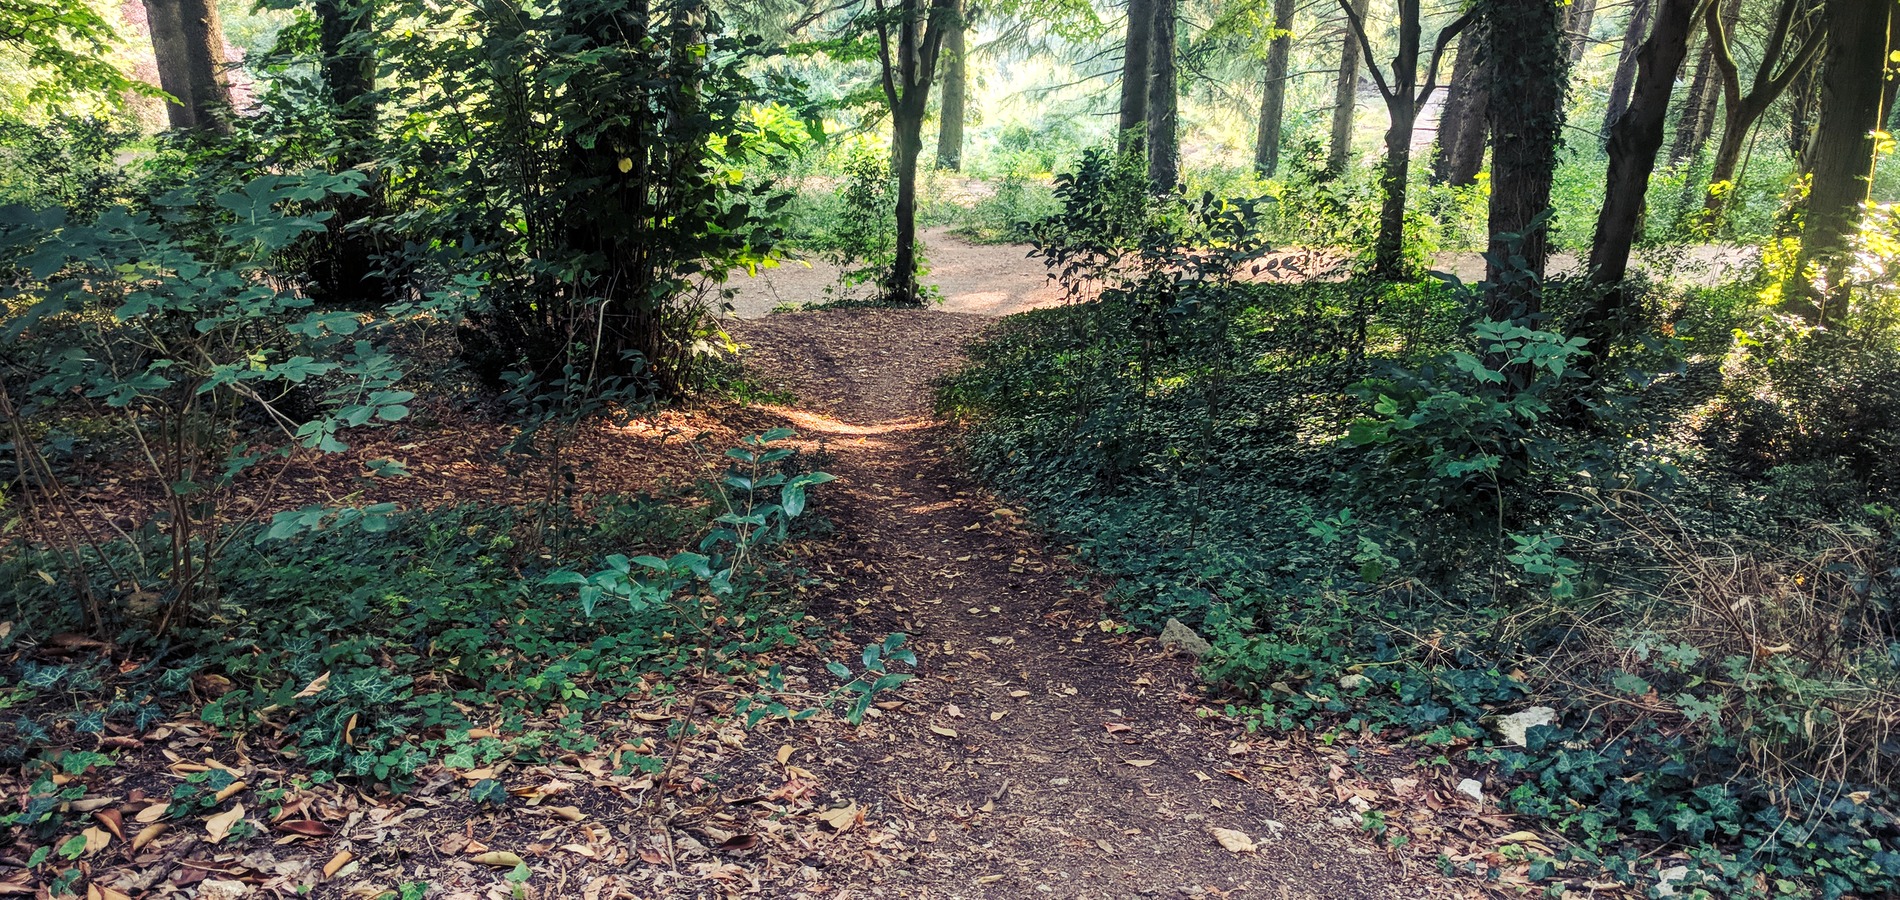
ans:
(626, 165)
(946, 732)
(337, 862)
(500, 859)
(785, 754)
(96, 839)
(220, 825)
(230, 790)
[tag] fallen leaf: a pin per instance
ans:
(570, 813)
(500, 859)
(337, 862)
(96, 839)
(988, 879)
(946, 732)
(147, 835)
(1140, 763)
(315, 687)
(305, 827)
(841, 818)
(230, 790)
(220, 825)
(739, 842)
(1113, 727)
(785, 754)
(1233, 841)
(113, 821)
(152, 813)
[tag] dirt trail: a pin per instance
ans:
(1044, 755)
(1000, 279)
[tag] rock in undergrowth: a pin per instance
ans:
(1180, 637)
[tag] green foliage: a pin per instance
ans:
(169, 327)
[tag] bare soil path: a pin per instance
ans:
(1043, 752)
(1000, 279)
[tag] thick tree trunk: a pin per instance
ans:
(1804, 106)
(907, 143)
(1388, 254)
(955, 95)
(1164, 142)
(1625, 79)
(1529, 72)
(188, 42)
(1266, 144)
(1581, 15)
(344, 32)
(1345, 97)
(1635, 139)
(1462, 126)
(1135, 75)
(1843, 157)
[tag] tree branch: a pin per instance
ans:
(1358, 29)
(1438, 53)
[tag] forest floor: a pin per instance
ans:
(1001, 279)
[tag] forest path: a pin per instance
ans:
(1000, 279)
(1042, 754)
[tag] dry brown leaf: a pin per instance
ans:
(230, 790)
(147, 835)
(315, 687)
(97, 839)
(152, 813)
(1233, 841)
(113, 822)
(220, 825)
(785, 754)
(501, 859)
(1113, 727)
(337, 862)
(841, 818)
(305, 827)
(570, 813)
(946, 732)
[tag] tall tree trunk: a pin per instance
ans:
(1135, 71)
(1529, 72)
(1635, 138)
(1741, 111)
(1164, 141)
(345, 37)
(1843, 157)
(1625, 79)
(1804, 107)
(1577, 21)
(921, 26)
(1345, 97)
(1698, 107)
(188, 42)
(955, 95)
(1462, 126)
(1266, 144)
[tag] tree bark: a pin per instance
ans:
(1462, 126)
(1266, 145)
(921, 26)
(955, 95)
(1164, 142)
(1635, 139)
(1345, 97)
(1135, 53)
(1580, 16)
(1741, 111)
(1804, 106)
(1529, 76)
(1843, 157)
(188, 42)
(1698, 107)
(345, 37)
(1403, 99)
(1625, 79)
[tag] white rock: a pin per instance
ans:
(1473, 788)
(1513, 726)
(1667, 879)
(215, 889)
(1178, 636)
(1351, 680)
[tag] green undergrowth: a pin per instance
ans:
(363, 651)
(1331, 482)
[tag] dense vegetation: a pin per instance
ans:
(253, 256)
